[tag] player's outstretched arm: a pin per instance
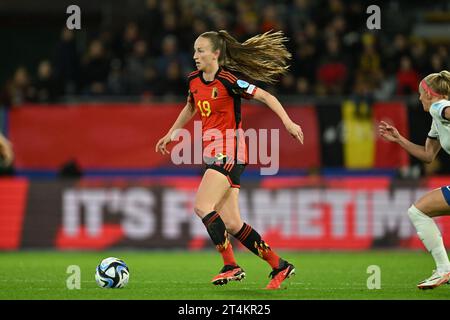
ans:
(425, 153)
(184, 117)
(294, 129)
(6, 151)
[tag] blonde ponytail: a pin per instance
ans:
(263, 57)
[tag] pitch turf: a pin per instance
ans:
(179, 275)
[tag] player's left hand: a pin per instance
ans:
(161, 146)
(295, 131)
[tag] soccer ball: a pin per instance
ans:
(112, 273)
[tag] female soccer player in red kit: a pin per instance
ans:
(215, 93)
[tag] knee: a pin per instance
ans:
(414, 213)
(202, 209)
(233, 227)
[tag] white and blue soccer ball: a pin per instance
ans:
(112, 273)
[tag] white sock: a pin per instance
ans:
(431, 237)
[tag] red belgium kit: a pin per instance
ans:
(218, 103)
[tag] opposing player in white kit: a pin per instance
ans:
(434, 92)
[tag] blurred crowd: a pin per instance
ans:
(150, 55)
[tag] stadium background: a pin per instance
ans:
(84, 109)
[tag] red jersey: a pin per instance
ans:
(218, 103)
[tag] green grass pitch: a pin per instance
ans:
(180, 275)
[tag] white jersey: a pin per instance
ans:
(440, 127)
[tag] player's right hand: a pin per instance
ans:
(388, 132)
(161, 146)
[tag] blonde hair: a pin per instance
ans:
(262, 57)
(439, 82)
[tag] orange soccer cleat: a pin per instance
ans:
(280, 274)
(228, 273)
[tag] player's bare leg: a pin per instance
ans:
(212, 190)
(431, 205)
(229, 211)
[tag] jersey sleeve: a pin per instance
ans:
(437, 110)
(237, 87)
(243, 89)
(433, 133)
(190, 97)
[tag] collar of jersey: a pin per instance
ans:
(442, 101)
(215, 76)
